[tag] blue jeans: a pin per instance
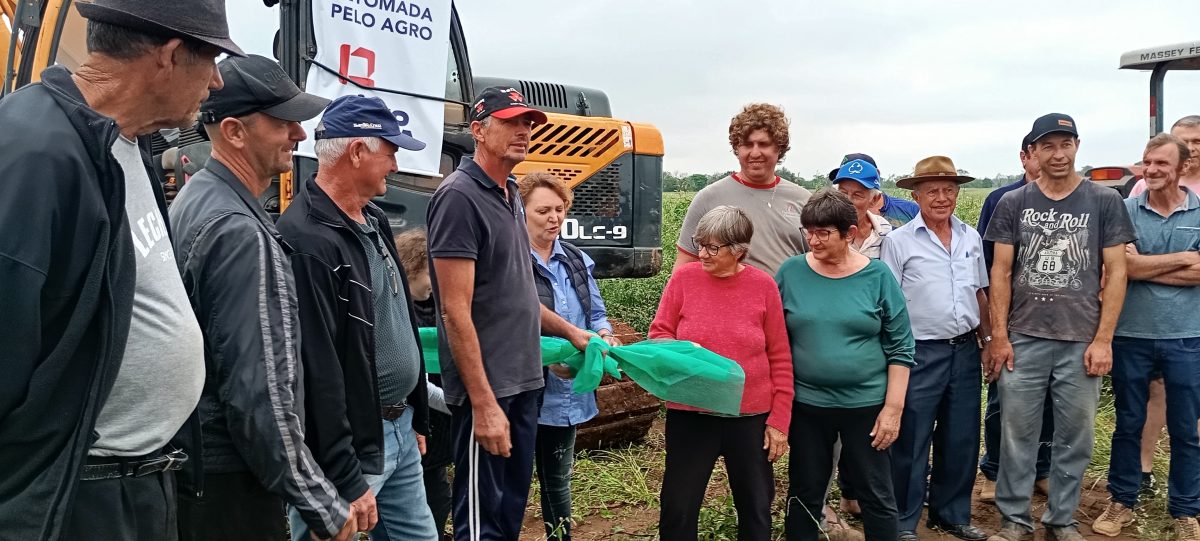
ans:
(1039, 365)
(399, 491)
(1134, 361)
(989, 464)
(553, 460)
(941, 409)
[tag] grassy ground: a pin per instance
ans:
(616, 491)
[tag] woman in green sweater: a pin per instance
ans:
(851, 348)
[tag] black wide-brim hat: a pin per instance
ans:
(199, 20)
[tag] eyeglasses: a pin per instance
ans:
(819, 234)
(711, 249)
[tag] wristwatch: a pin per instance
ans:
(603, 332)
(984, 340)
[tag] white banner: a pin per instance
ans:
(389, 44)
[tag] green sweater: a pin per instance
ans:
(844, 332)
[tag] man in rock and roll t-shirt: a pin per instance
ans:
(1053, 322)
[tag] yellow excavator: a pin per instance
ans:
(614, 166)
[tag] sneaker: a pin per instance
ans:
(1063, 533)
(987, 491)
(1113, 519)
(1042, 486)
(1012, 532)
(1187, 529)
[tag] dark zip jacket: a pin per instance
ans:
(236, 271)
(344, 427)
(67, 277)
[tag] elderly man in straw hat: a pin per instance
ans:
(938, 261)
(103, 357)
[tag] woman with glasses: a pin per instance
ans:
(851, 349)
(734, 310)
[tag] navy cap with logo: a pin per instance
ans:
(1052, 123)
(254, 84)
(505, 103)
(849, 158)
(362, 116)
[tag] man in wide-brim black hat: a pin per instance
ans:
(103, 356)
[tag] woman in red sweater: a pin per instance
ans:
(734, 310)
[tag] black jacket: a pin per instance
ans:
(344, 428)
(67, 276)
(236, 271)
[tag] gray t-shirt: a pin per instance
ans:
(396, 354)
(162, 372)
(774, 210)
(1056, 269)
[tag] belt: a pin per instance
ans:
(391, 413)
(963, 338)
(103, 467)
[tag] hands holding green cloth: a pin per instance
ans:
(673, 370)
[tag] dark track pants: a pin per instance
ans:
(490, 491)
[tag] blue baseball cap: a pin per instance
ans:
(860, 171)
(361, 116)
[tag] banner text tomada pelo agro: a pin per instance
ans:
(384, 22)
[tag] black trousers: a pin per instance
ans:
(810, 461)
(124, 509)
(490, 491)
(694, 441)
(233, 506)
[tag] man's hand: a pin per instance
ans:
(579, 338)
(887, 427)
(348, 531)
(364, 509)
(1001, 352)
(421, 444)
(491, 429)
(775, 443)
(1098, 358)
(1131, 248)
(611, 340)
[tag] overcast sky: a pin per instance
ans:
(900, 80)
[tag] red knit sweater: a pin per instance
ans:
(739, 317)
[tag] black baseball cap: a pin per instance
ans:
(849, 158)
(502, 102)
(362, 116)
(256, 84)
(1026, 142)
(1052, 123)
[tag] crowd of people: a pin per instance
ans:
(203, 372)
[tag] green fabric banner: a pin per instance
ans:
(672, 370)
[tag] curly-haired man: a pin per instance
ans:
(759, 137)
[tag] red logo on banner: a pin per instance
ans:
(344, 65)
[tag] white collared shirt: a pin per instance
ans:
(940, 286)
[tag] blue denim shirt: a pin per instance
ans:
(560, 405)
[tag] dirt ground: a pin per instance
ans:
(642, 523)
(621, 521)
